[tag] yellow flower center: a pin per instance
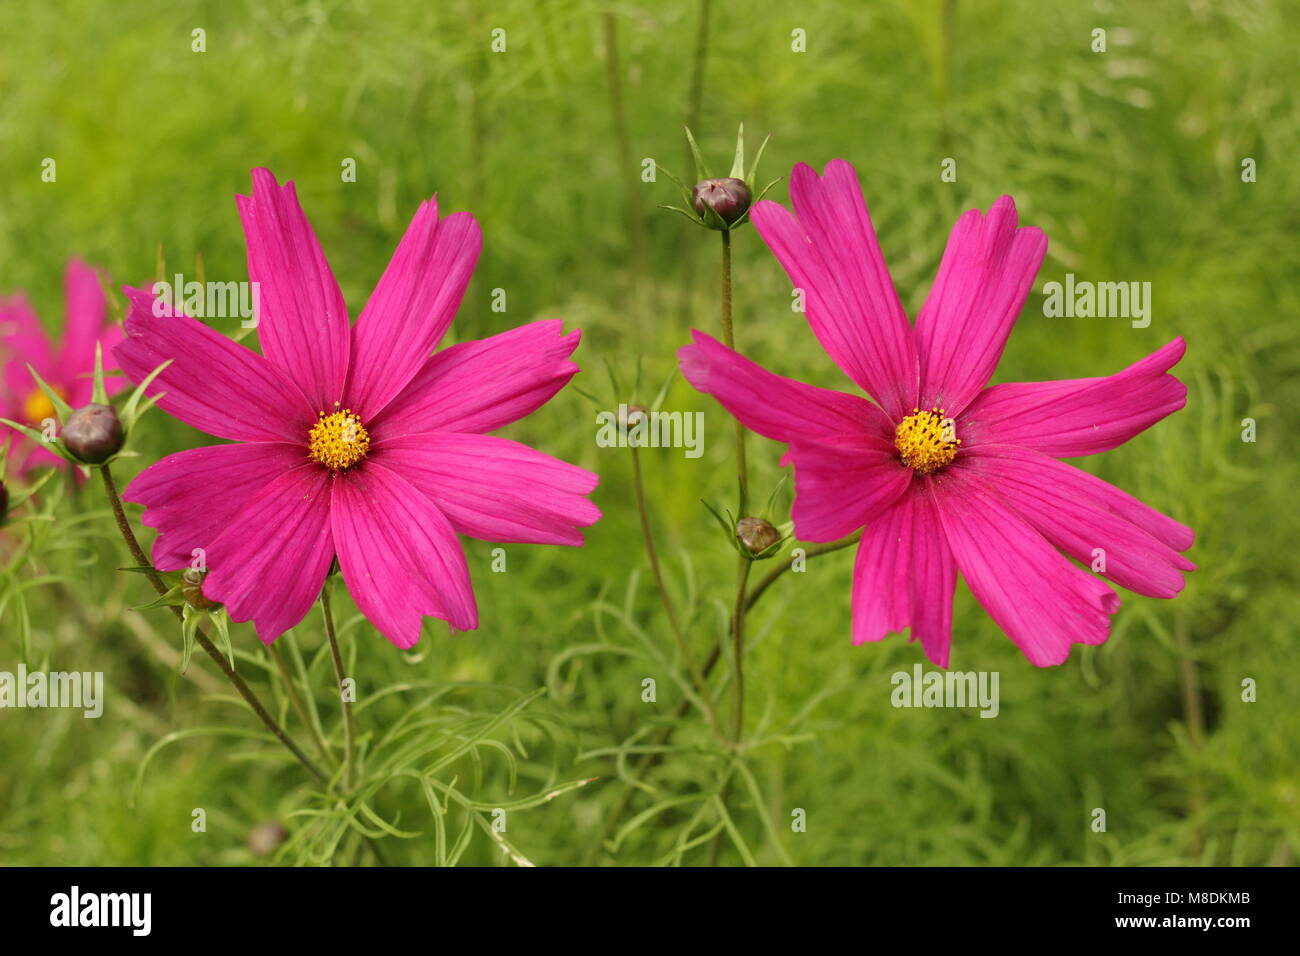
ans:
(926, 441)
(38, 407)
(338, 441)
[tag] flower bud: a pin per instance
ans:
(4, 502)
(192, 589)
(93, 434)
(264, 838)
(728, 197)
(756, 534)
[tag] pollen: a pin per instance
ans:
(926, 441)
(37, 407)
(338, 441)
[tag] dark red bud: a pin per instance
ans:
(729, 198)
(93, 434)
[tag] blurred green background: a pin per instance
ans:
(1130, 160)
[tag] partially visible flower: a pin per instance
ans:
(945, 473)
(67, 366)
(356, 441)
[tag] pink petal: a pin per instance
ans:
(412, 306)
(1079, 513)
(831, 253)
(24, 343)
(776, 407)
(1083, 416)
(193, 496)
(483, 385)
(302, 321)
(987, 271)
(904, 575)
(214, 384)
(495, 489)
(1043, 602)
(269, 565)
(399, 555)
(842, 484)
(86, 308)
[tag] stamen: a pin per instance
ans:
(37, 407)
(926, 441)
(338, 440)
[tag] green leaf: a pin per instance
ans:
(701, 171)
(738, 164)
(60, 406)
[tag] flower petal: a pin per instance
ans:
(86, 309)
(193, 496)
(302, 322)
(495, 489)
(483, 385)
(987, 271)
(779, 408)
(399, 555)
(904, 575)
(831, 253)
(1040, 600)
(270, 563)
(22, 337)
(412, 306)
(842, 484)
(1076, 417)
(214, 384)
(1080, 513)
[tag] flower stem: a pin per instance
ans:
(349, 729)
(784, 566)
(653, 554)
(201, 636)
(296, 699)
(729, 338)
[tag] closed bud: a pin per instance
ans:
(93, 434)
(4, 502)
(756, 534)
(192, 589)
(729, 198)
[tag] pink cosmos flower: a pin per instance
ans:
(943, 473)
(68, 369)
(354, 440)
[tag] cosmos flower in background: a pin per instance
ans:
(67, 366)
(353, 440)
(943, 473)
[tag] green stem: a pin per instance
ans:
(201, 636)
(652, 553)
(296, 699)
(349, 730)
(784, 566)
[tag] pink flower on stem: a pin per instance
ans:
(943, 473)
(68, 368)
(355, 441)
